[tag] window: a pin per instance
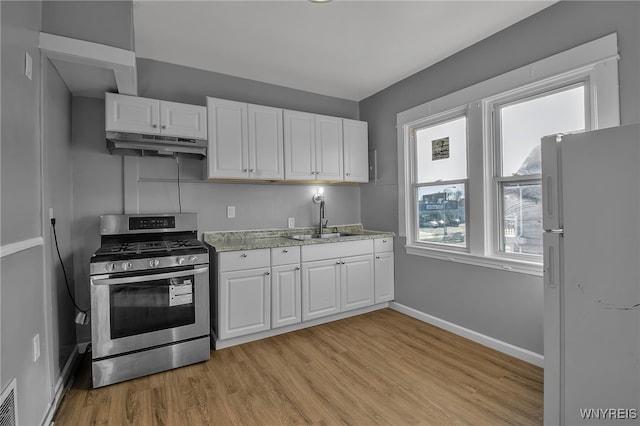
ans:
(440, 182)
(469, 163)
(519, 124)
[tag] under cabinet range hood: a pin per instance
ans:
(124, 143)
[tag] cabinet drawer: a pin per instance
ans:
(335, 250)
(285, 255)
(383, 244)
(243, 259)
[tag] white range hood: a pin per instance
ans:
(91, 69)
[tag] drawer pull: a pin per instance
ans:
(384, 241)
(244, 255)
(285, 251)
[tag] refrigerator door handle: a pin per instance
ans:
(552, 258)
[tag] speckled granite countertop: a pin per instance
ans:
(267, 238)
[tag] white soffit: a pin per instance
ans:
(347, 48)
(90, 69)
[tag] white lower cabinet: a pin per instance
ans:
(244, 293)
(285, 295)
(320, 288)
(384, 270)
(265, 289)
(357, 278)
(384, 277)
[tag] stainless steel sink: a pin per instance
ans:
(302, 237)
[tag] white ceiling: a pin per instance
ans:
(350, 49)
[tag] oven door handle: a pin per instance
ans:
(143, 278)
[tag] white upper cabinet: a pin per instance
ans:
(266, 157)
(329, 148)
(356, 150)
(228, 139)
(313, 147)
(245, 141)
(183, 120)
(299, 145)
(125, 113)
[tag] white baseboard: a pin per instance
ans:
(499, 345)
(63, 382)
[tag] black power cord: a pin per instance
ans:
(64, 272)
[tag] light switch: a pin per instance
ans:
(231, 212)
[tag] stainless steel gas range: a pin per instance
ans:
(149, 296)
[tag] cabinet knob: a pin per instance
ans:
(245, 170)
(384, 241)
(244, 255)
(348, 174)
(285, 251)
(252, 170)
(297, 268)
(155, 126)
(377, 257)
(338, 262)
(267, 273)
(342, 262)
(164, 127)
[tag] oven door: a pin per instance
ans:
(144, 310)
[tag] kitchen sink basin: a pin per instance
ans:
(327, 235)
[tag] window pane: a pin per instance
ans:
(441, 214)
(442, 151)
(522, 217)
(523, 124)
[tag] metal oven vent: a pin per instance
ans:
(9, 405)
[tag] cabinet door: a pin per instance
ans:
(286, 299)
(244, 302)
(320, 288)
(299, 146)
(329, 147)
(357, 282)
(183, 120)
(131, 114)
(384, 277)
(356, 151)
(266, 143)
(228, 140)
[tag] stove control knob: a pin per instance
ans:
(154, 263)
(126, 266)
(193, 259)
(110, 267)
(180, 260)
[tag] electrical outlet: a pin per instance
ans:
(292, 222)
(231, 212)
(36, 347)
(28, 65)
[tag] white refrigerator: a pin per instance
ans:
(591, 218)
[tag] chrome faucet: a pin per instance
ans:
(322, 219)
(319, 199)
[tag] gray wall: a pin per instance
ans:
(104, 22)
(22, 295)
(151, 185)
(57, 186)
(503, 305)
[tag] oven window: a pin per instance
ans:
(151, 306)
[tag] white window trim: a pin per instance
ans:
(596, 61)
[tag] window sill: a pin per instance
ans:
(529, 268)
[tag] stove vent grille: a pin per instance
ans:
(9, 405)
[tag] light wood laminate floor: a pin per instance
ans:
(379, 368)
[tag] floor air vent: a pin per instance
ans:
(9, 405)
